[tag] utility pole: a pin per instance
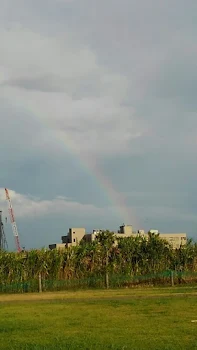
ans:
(3, 241)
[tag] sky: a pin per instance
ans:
(98, 113)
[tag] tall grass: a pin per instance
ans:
(133, 260)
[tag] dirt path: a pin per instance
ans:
(95, 295)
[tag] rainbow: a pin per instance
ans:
(117, 202)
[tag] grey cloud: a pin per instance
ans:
(43, 84)
(92, 85)
(147, 51)
(177, 80)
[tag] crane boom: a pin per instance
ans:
(13, 222)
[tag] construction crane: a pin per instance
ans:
(3, 241)
(13, 222)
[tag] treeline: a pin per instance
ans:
(132, 256)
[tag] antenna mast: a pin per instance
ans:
(13, 222)
(3, 241)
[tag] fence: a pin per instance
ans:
(165, 278)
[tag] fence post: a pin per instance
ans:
(172, 278)
(40, 282)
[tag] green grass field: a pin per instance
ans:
(119, 319)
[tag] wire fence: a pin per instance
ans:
(165, 278)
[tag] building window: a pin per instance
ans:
(74, 240)
(73, 232)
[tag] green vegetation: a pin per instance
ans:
(134, 260)
(103, 319)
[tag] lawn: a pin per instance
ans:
(119, 319)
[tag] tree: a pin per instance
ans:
(106, 239)
(158, 253)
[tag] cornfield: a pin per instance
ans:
(87, 265)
